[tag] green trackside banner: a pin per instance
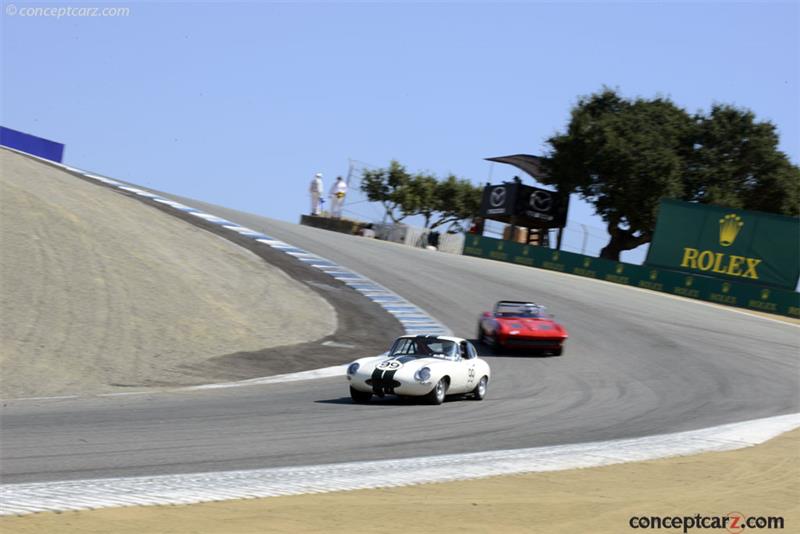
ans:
(746, 246)
(696, 286)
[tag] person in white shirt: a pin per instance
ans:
(316, 190)
(338, 191)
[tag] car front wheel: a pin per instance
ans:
(437, 394)
(480, 390)
(359, 396)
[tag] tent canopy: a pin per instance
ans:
(533, 165)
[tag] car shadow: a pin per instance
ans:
(389, 400)
(485, 351)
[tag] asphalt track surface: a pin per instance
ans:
(637, 363)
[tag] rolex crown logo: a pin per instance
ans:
(619, 268)
(587, 262)
(729, 227)
(726, 287)
(764, 294)
(653, 274)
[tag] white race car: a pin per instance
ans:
(421, 366)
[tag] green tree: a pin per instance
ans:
(420, 197)
(387, 186)
(736, 163)
(439, 202)
(456, 201)
(623, 156)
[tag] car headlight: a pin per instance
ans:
(423, 374)
(352, 368)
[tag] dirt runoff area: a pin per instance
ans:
(762, 483)
(101, 293)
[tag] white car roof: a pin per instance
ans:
(448, 338)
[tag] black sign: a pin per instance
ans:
(523, 205)
(498, 201)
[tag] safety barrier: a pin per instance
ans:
(396, 233)
(742, 295)
(418, 237)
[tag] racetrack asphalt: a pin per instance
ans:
(637, 363)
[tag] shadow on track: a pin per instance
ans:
(487, 351)
(391, 400)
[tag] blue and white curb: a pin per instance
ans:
(21, 499)
(414, 319)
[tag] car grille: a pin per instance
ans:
(383, 387)
(533, 342)
(384, 383)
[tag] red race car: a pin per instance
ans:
(521, 325)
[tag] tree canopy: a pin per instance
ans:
(387, 186)
(624, 155)
(439, 202)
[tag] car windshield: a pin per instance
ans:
(520, 309)
(425, 347)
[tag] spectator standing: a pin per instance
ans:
(316, 191)
(337, 194)
(477, 226)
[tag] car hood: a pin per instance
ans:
(529, 324)
(398, 362)
(526, 325)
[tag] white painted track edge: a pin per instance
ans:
(22, 499)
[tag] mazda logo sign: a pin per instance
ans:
(497, 197)
(541, 201)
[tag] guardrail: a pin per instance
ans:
(741, 295)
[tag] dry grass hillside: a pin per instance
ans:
(100, 292)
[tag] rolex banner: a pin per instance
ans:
(695, 286)
(747, 246)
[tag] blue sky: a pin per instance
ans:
(240, 103)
